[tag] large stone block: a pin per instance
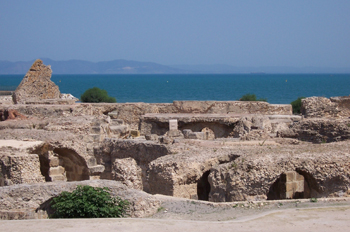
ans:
(56, 171)
(173, 124)
(36, 85)
(19, 169)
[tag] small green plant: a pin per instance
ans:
(96, 95)
(313, 199)
(233, 165)
(296, 105)
(251, 97)
(88, 202)
(160, 209)
(261, 144)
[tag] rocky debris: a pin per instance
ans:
(31, 200)
(165, 139)
(343, 105)
(255, 127)
(127, 171)
(317, 107)
(10, 114)
(318, 130)
(36, 85)
(152, 137)
(189, 134)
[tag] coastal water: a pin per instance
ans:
(277, 88)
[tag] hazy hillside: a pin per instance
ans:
(86, 67)
(136, 67)
(221, 69)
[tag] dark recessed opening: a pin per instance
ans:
(203, 187)
(293, 185)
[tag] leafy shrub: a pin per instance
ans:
(88, 202)
(97, 95)
(296, 105)
(251, 97)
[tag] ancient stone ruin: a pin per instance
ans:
(37, 88)
(36, 85)
(200, 150)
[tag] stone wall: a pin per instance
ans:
(137, 154)
(317, 107)
(20, 168)
(262, 178)
(318, 130)
(130, 113)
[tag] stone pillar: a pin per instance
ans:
(173, 124)
(294, 185)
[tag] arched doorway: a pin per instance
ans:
(293, 185)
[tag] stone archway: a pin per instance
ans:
(293, 185)
(203, 187)
(67, 165)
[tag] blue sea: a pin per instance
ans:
(276, 88)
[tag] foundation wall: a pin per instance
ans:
(130, 113)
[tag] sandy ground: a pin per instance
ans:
(318, 217)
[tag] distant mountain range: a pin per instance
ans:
(136, 67)
(87, 67)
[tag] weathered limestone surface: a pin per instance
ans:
(218, 151)
(178, 174)
(318, 107)
(18, 164)
(252, 177)
(128, 172)
(29, 201)
(318, 130)
(112, 152)
(36, 85)
(247, 127)
(227, 107)
(343, 105)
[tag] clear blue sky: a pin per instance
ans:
(240, 33)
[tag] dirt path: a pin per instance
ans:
(324, 218)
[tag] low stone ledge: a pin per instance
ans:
(29, 201)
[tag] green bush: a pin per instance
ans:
(251, 97)
(296, 105)
(88, 202)
(97, 95)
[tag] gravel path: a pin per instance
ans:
(306, 216)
